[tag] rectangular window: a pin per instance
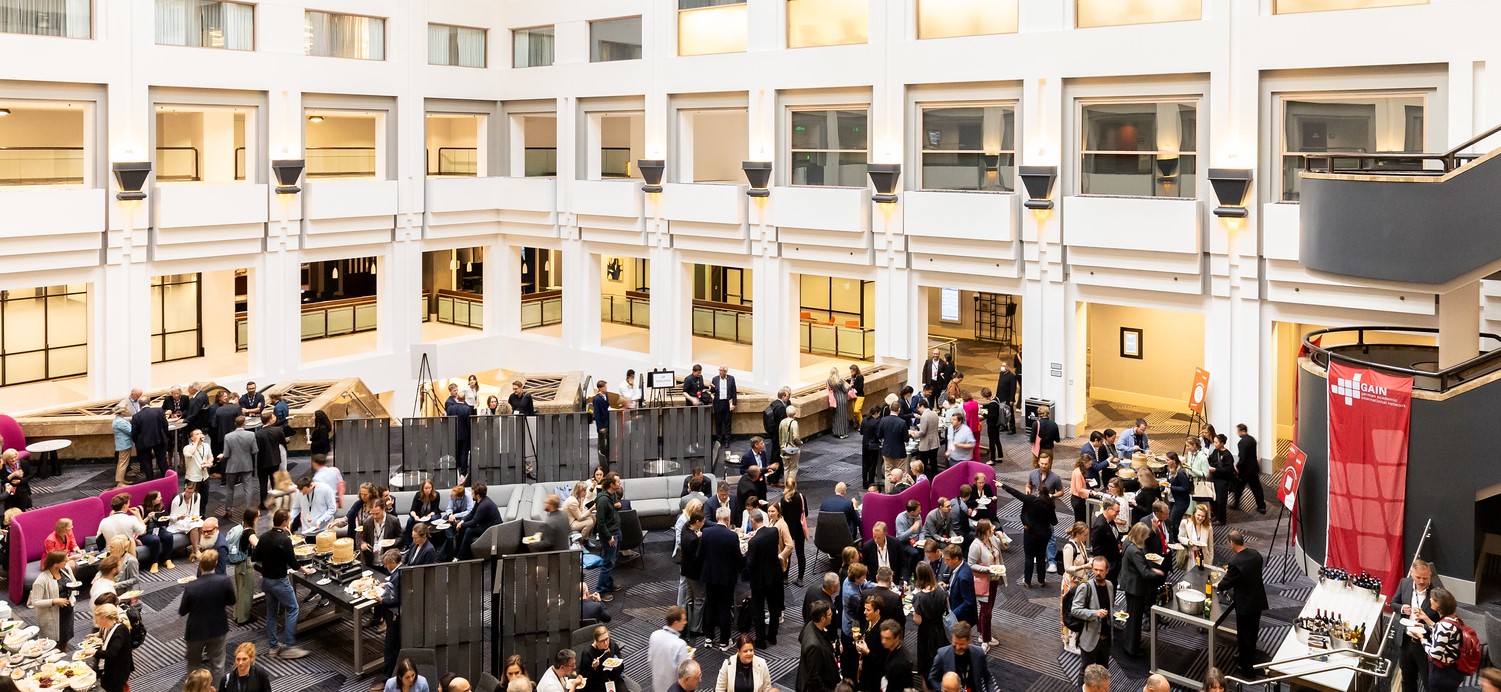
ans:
(829, 147)
(202, 143)
(950, 18)
(1320, 127)
(532, 47)
(1141, 149)
(827, 22)
(615, 39)
(343, 144)
(176, 317)
(42, 143)
(1299, 6)
(968, 148)
(330, 35)
(1093, 13)
(44, 333)
(65, 18)
(205, 24)
(707, 27)
(459, 46)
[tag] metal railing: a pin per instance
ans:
(177, 165)
(457, 161)
(340, 162)
(723, 321)
(1435, 380)
(632, 309)
(541, 309)
(845, 341)
(1399, 163)
(1382, 667)
(327, 319)
(459, 308)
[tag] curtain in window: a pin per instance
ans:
(471, 47)
(239, 26)
(172, 22)
(437, 44)
(534, 48)
(346, 36)
(205, 24)
(70, 18)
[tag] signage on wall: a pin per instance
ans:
(948, 305)
(1199, 390)
(1055, 369)
(1292, 474)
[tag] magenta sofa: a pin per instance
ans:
(15, 438)
(876, 507)
(29, 529)
(946, 483)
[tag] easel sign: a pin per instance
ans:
(1196, 395)
(1292, 474)
(661, 379)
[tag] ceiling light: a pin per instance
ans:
(4, 112)
(315, 118)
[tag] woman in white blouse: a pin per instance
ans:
(630, 394)
(1197, 533)
(473, 387)
(197, 457)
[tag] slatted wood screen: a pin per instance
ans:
(427, 445)
(563, 449)
(539, 605)
(499, 447)
(362, 451)
(442, 608)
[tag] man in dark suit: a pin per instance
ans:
(932, 372)
(817, 670)
(197, 415)
(892, 431)
(222, 422)
(880, 551)
(891, 601)
(959, 658)
(1243, 576)
(750, 485)
(1105, 537)
(899, 672)
(771, 420)
(601, 407)
(380, 527)
(961, 586)
(765, 568)
(1248, 469)
(827, 591)
(175, 404)
(205, 601)
(722, 560)
(269, 439)
(460, 410)
(725, 397)
(484, 515)
(1411, 595)
(521, 402)
(1005, 392)
(842, 505)
(757, 456)
(148, 427)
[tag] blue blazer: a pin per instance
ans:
(729, 389)
(719, 552)
(461, 411)
(424, 555)
(962, 594)
(943, 662)
(601, 412)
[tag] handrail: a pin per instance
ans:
(1447, 378)
(1449, 160)
(1473, 141)
(1383, 667)
(1427, 530)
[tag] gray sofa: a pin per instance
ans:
(511, 500)
(656, 500)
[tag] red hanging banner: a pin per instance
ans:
(1369, 413)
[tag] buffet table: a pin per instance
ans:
(1357, 606)
(345, 605)
(1161, 615)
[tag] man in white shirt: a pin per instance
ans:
(667, 649)
(563, 675)
(328, 475)
(314, 505)
(121, 520)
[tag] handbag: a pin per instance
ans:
(851, 394)
(950, 620)
(832, 401)
(1203, 490)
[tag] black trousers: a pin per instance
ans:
(1221, 499)
(719, 602)
(1081, 509)
(264, 476)
(929, 461)
(603, 444)
(153, 461)
(1414, 664)
(993, 433)
(722, 422)
(1136, 610)
(1256, 492)
(870, 466)
(1247, 624)
(767, 601)
(393, 641)
(1100, 654)
(460, 456)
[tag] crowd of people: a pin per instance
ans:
(735, 544)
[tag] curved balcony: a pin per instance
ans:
(1398, 354)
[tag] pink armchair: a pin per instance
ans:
(946, 484)
(15, 438)
(879, 507)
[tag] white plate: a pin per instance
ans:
(323, 581)
(1408, 622)
(956, 540)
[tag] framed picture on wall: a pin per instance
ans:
(1130, 343)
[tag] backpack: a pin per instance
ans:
(769, 417)
(232, 541)
(1073, 622)
(1469, 648)
(137, 627)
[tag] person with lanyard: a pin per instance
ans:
(1222, 472)
(251, 402)
(666, 649)
(274, 552)
(592, 660)
(958, 658)
(1412, 596)
(116, 657)
(247, 676)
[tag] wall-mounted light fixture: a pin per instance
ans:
(131, 176)
(1039, 181)
(4, 112)
(1231, 186)
(288, 171)
(884, 177)
(315, 118)
(1167, 170)
(651, 173)
(992, 162)
(758, 174)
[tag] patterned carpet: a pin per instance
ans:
(1030, 656)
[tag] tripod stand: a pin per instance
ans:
(426, 403)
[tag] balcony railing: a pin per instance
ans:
(459, 308)
(41, 165)
(326, 319)
(848, 340)
(541, 309)
(177, 165)
(632, 309)
(457, 161)
(1400, 356)
(723, 321)
(340, 162)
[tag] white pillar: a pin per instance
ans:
(219, 146)
(1459, 325)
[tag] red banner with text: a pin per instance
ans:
(1369, 413)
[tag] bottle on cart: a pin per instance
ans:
(1208, 600)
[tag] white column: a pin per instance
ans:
(219, 146)
(1459, 325)
(671, 334)
(774, 358)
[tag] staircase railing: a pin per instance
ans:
(1396, 163)
(1428, 380)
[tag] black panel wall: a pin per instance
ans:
(1313, 439)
